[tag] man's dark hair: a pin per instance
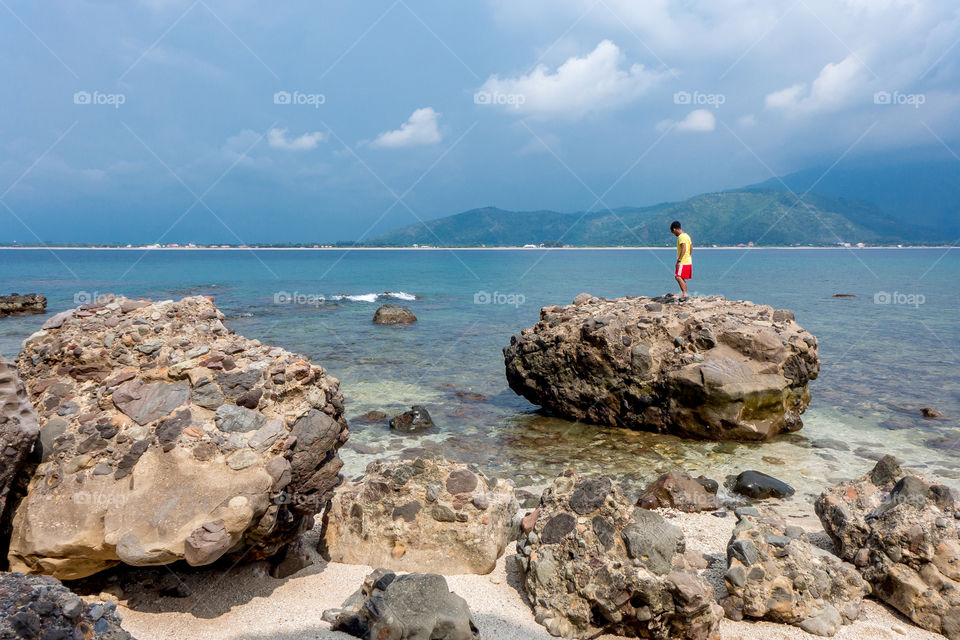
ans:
(675, 225)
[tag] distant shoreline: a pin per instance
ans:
(663, 248)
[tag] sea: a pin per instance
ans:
(889, 346)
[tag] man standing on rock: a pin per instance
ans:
(684, 270)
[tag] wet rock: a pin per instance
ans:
(393, 314)
(415, 606)
(680, 491)
(928, 412)
(759, 486)
(139, 436)
(901, 531)
(774, 574)
(711, 368)
(413, 421)
(373, 416)
(16, 304)
(616, 569)
(447, 518)
(42, 608)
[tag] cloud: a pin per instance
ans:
(580, 85)
(698, 120)
(419, 129)
(277, 139)
(830, 91)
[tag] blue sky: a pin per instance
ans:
(216, 121)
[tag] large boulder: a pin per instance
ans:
(393, 314)
(16, 304)
(166, 437)
(591, 561)
(415, 606)
(40, 607)
(776, 575)
(707, 368)
(423, 515)
(18, 435)
(901, 531)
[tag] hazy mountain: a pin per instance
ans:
(761, 216)
(922, 195)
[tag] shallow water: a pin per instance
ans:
(881, 362)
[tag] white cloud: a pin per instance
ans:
(832, 88)
(419, 129)
(580, 85)
(697, 121)
(277, 139)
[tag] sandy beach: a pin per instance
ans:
(245, 603)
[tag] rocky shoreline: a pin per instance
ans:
(148, 441)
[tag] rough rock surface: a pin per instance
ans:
(707, 368)
(158, 424)
(393, 314)
(901, 532)
(591, 561)
(41, 607)
(681, 491)
(423, 515)
(18, 434)
(16, 304)
(776, 575)
(415, 606)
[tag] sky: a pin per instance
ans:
(235, 121)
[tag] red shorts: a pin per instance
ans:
(685, 271)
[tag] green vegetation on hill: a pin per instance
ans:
(761, 216)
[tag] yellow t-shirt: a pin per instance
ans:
(684, 248)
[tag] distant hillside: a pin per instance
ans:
(762, 216)
(922, 195)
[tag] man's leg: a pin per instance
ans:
(683, 286)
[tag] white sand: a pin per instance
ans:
(245, 603)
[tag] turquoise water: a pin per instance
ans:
(881, 362)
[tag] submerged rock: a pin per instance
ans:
(16, 304)
(40, 607)
(901, 531)
(428, 514)
(139, 467)
(681, 491)
(413, 421)
(775, 575)
(393, 314)
(594, 563)
(708, 368)
(415, 606)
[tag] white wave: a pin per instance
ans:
(399, 295)
(373, 297)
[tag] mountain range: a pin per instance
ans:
(873, 202)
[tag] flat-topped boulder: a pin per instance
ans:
(164, 436)
(16, 304)
(427, 514)
(706, 367)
